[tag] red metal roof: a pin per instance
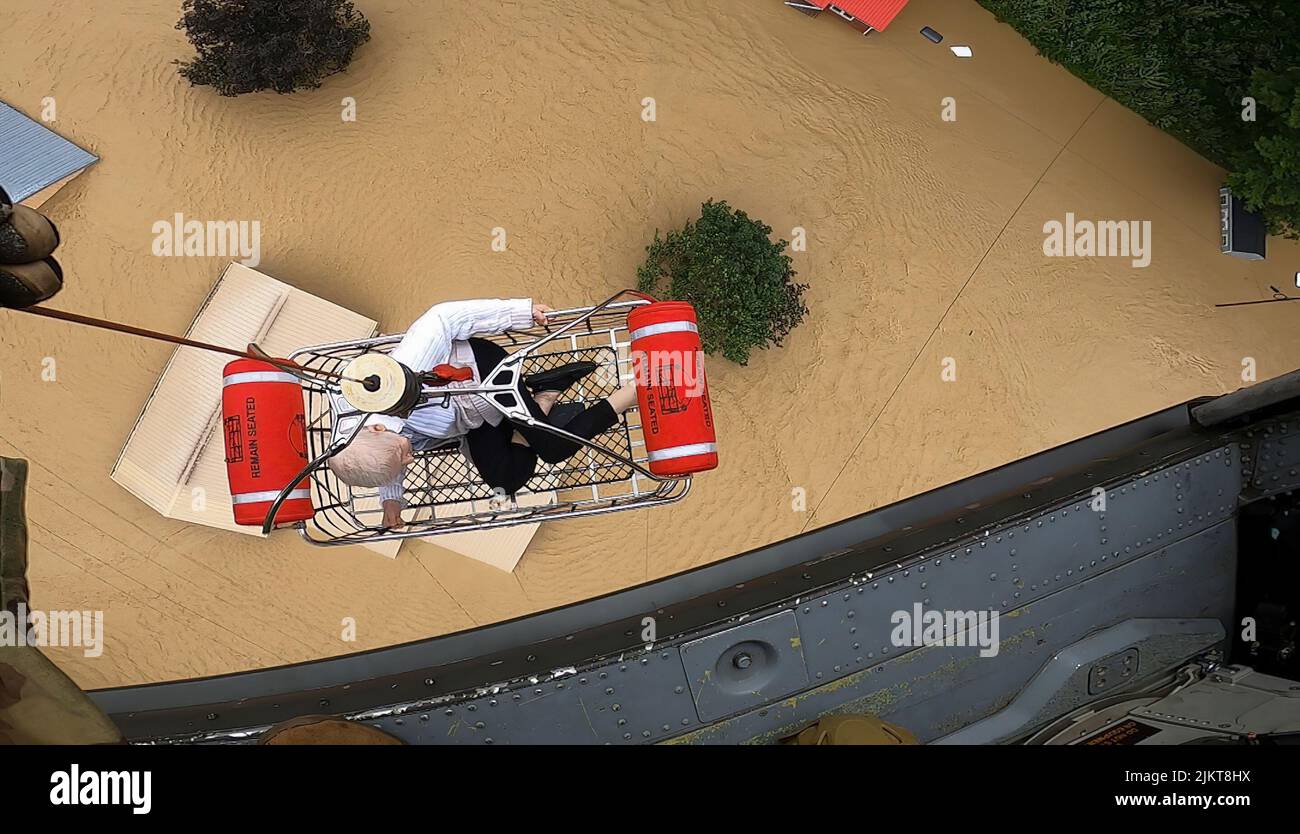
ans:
(875, 13)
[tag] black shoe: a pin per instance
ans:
(562, 413)
(558, 379)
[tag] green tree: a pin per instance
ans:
(1267, 175)
(283, 45)
(740, 282)
(1185, 66)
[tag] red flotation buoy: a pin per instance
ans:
(672, 393)
(265, 429)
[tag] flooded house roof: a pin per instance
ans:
(34, 156)
(173, 459)
(875, 13)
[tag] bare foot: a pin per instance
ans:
(623, 399)
(546, 400)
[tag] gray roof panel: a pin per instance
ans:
(33, 157)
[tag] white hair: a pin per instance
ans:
(372, 459)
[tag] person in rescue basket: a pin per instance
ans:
(504, 453)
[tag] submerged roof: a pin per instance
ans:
(35, 157)
(875, 13)
(174, 460)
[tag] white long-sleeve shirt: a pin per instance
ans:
(432, 340)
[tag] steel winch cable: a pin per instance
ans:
(286, 365)
(438, 376)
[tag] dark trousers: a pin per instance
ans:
(506, 465)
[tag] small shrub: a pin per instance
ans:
(739, 281)
(1267, 175)
(283, 45)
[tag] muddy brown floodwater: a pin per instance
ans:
(924, 252)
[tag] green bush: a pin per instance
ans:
(739, 281)
(1185, 66)
(284, 45)
(1267, 174)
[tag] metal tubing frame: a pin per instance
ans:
(668, 490)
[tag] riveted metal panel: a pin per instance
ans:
(1113, 672)
(1062, 685)
(745, 665)
(631, 701)
(1276, 462)
(935, 690)
(1008, 567)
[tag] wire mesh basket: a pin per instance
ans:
(442, 489)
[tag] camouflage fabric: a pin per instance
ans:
(38, 703)
(13, 534)
(41, 705)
